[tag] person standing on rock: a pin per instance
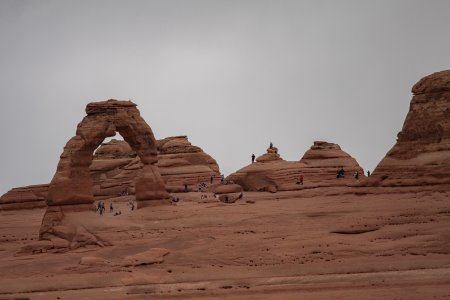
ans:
(111, 209)
(368, 173)
(253, 158)
(271, 145)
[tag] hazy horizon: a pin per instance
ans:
(231, 75)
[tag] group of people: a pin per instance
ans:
(100, 208)
(123, 193)
(201, 186)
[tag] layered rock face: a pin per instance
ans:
(181, 163)
(421, 155)
(269, 173)
(26, 197)
(323, 159)
(318, 167)
(72, 185)
(116, 165)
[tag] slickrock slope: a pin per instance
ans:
(421, 155)
(286, 245)
(318, 168)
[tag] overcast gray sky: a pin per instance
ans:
(232, 75)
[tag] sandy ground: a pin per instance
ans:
(283, 246)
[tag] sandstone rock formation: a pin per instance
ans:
(269, 173)
(72, 186)
(421, 155)
(182, 163)
(228, 193)
(321, 162)
(318, 167)
(116, 166)
(26, 197)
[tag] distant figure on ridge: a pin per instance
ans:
(270, 145)
(368, 173)
(253, 158)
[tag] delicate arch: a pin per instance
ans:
(72, 183)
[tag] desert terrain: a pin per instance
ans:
(275, 229)
(287, 245)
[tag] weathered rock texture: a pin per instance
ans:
(421, 155)
(228, 193)
(318, 167)
(116, 165)
(322, 161)
(72, 183)
(26, 197)
(181, 163)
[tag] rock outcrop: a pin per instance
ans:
(321, 162)
(228, 193)
(72, 187)
(421, 155)
(27, 197)
(182, 163)
(318, 167)
(269, 173)
(116, 166)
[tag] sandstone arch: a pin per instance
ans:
(71, 186)
(72, 183)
